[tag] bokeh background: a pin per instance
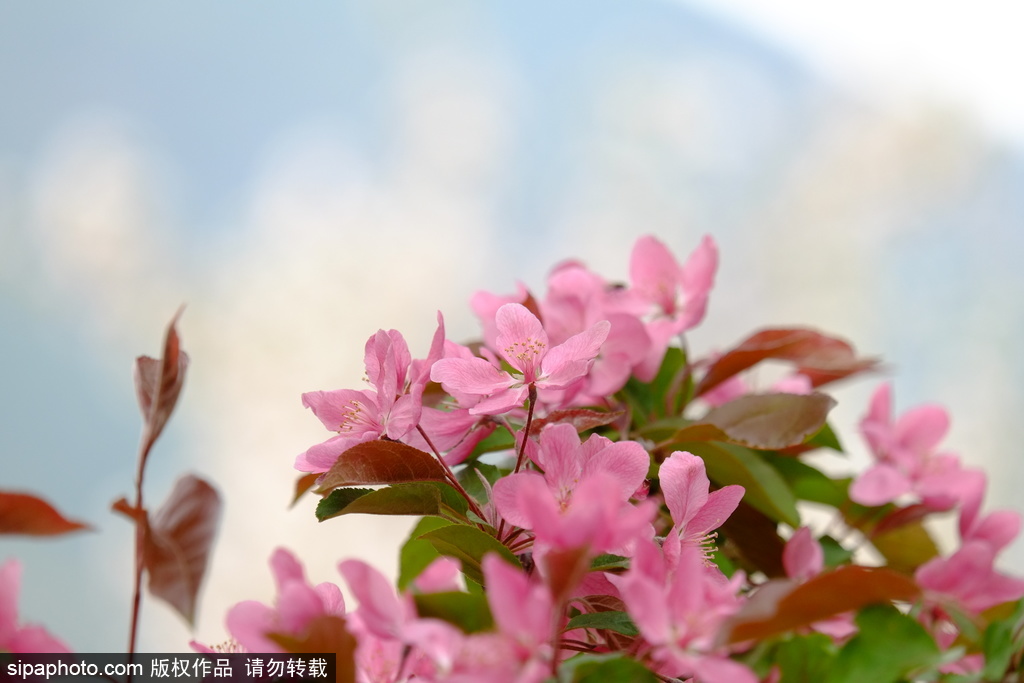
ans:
(302, 176)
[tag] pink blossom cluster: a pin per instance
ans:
(585, 482)
(598, 500)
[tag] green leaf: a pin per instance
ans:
(999, 646)
(426, 498)
(416, 553)
(662, 396)
(825, 438)
(609, 621)
(468, 545)
(771, 421)
(604, 563)
(381, 462)
(468, 611)
(888, 647)
(498, 440)
(835, 554)
(766, 490)
(808, 483)
(467, 476)
(906, 547)
(806, 659)
(590, 668)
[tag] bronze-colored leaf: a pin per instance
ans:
(23, 513)
(158, 384)
(582, 419)
(381, 462)
(303, 484)
(781, 606)
(820, 357)
(771, 421)
(179, 541)
(325, 633)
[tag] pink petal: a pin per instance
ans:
(684, 483)
(921, 429)
(559, 456)
(802, 557)
(298, 604)
(35, 639)
(697, 277)
(571, 359)
(654, 271)
(716, 510)
(338, 409)
(380, 609)
(879, 485)
(520, 610)
(286, 568)
(470, 375)
(248, 622)
(501, 401)
(876, 425)
(625, 461)
(514, 495)
(521, 339)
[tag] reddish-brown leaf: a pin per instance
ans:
(325, 633)
(179, 541)
(755, 537)
(820, 357)
(122, 506)
(381, 462)
(303, 484)
(771, 421)
(23, 513)
(158, 384)
(580, 418)
(781, 606)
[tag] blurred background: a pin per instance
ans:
(301, 178)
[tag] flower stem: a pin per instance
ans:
(451, 476)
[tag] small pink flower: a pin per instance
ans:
(523, 343)
(581, 500)
(679, 606)
(392, 408)
(907, 459)
(968, 578)
(677, 296)
(695, 511)
(297, 603)
(14, 638)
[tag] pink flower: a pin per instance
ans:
(968, 578)
(523, 343)
(679, 608)
(14, 638)
(695, 511)
(907, 461)
(392, 639)
(581, 500)
(391, 409)
(297, 603)
(676, 296)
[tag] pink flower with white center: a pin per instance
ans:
(907, 460)
(679, 606)
(675, 297)
(296, 605)
(695, 511)
(391, 409)
(523, 343)
(14, 638)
